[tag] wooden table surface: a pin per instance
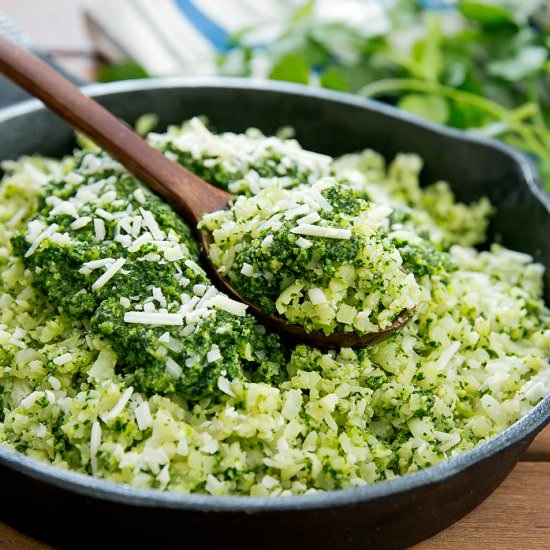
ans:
(516, 516)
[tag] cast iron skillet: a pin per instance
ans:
(74, 510)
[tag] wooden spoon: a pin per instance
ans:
(189, 194)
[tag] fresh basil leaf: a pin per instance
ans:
(486, 13)
(125, 70)
(544, 171)
(333, 78)
(292, 68)
(524, 64)
(498, 12)
(432, 107)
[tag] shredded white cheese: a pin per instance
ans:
(298, 211)
(104, 214)
(318, 231)
(195, 267)
(309, 219)
(119, 407)
(44, 235)
(140, 241)
(267, 241)
(304, 243)
(317, 296)
(145, 318)
(152, 225)
(62, 359)
(139, 195)
(110, 272)
(214, 354)
(96, 264)
(144, 419)
(247, 270)
(173, 368)
(95, 442)
(227, 304)
(99, 229)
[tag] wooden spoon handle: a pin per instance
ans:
(192, 196)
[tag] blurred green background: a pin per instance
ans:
(482, 66)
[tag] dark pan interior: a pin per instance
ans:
(387, 516)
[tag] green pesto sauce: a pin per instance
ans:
(247, 351)
(353, 282)
(317, 264)
(214, 170)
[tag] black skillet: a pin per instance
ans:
(76, 511)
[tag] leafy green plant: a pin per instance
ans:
(484, 68)
(124, 70)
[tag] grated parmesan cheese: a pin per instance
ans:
(119, 407)
(96, 264)
(95, 442)
(319, 231)
(110, 272)
(227, 304)
(317, 296)
(145, 318)
(194, 266)
(104, 214)
(267, 241)
(309, 219)
(173, 368)
(140, 241)
(214, 354)
(139, 195)
(304, 243)
(143, 416)
(99, 229)
(247, 270)
(62, 359)
(151, 223)
(44, 235)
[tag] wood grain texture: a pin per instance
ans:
(515, 516)
(10, 539)
(540, 448)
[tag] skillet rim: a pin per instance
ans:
(89, 486)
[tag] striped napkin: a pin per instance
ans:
(170, 37)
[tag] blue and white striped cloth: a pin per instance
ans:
(183, 36)
(173, 36)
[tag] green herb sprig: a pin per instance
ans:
(483, 68)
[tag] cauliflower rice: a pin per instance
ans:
(268, 419)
